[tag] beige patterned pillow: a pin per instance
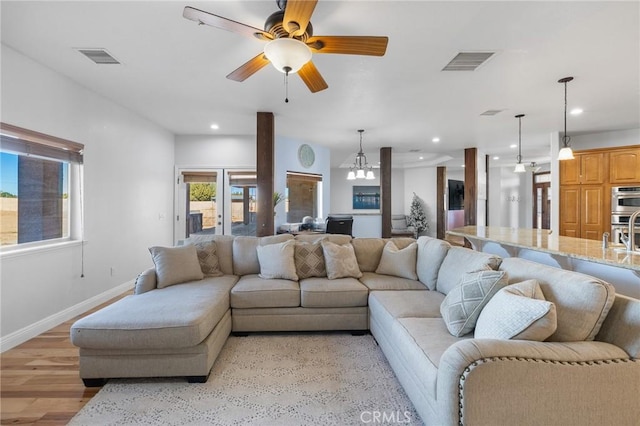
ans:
(518, 311)
(175, 265)
(462, 306)
(340, 261)
(309, 260)
(276, 261)
(399, 263)
(208, 258)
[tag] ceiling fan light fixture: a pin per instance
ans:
(287, 55)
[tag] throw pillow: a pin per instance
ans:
(462, 306)
(309, 260)
(208, 258)
(276, 261)
(340, 260)
(399, 263)
(175, 265)
(518, 311)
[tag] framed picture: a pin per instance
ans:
(366, 197)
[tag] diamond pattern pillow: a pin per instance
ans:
(309, 260)
(340, 261)
(461, 308)
(518, 311)
(208, 258)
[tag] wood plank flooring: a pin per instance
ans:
(39, 381)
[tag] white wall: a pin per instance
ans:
(286, 159)
(215, 151)
(366, 223)
(128, 175)
(510, 198)
(422, 181)
(605, 139)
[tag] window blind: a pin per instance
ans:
(23, 141)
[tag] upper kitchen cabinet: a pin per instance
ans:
(624, 166)
(585, 169)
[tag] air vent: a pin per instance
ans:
(491, 112)
(99, 56)
(467, 61)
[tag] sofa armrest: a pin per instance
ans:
(146, 281)
(486, 381)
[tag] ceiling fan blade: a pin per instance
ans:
(349, 45)
(249, 68)
(297, 15)
(312, 78)
(206, 18)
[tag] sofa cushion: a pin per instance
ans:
(309, 259)
(316, 238)
(208, 258)
(375, 281)
(431, 254)
(251, 291)
(338, 293)
(276, 261)
(462, 306)
(173, 317)
(518, 312)
(398, 262)
(368, 252)
(175, 265)
(582, 302)
(405, 304)
(245, 254)
(458, 262)
(340, 261)
(224, 249)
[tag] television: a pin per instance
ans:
(456, 194)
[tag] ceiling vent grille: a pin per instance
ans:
(467, 61)
(491, 112)
(99, 56)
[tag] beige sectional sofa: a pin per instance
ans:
(423, 301)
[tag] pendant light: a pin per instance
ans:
(519, 167)
(565, 153)
(360, 168)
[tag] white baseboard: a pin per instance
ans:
(29, 332)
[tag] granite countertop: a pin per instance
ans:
(545, 241)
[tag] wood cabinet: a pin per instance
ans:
(624, 166)
(585, 188)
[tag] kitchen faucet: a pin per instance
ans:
(630, 240)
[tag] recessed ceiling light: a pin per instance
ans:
(420, 158)
(462, 166)
(435, 140)
(214, 126)
(576, 111)
(496, 158)
(513, 145)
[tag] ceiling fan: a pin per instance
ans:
(290, 41)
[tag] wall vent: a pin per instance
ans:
(491, 112)
(467, 61)
(99, 56)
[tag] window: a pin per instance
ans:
(38, 174)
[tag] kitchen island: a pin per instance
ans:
(613, 264)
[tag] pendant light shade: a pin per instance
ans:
(565, 153)
(519, 167)
(287, 55)
(361, 168)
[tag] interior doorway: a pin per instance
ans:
(542, 200)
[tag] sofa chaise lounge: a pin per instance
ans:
(445, 317)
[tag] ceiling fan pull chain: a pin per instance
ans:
(286, 84)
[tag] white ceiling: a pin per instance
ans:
(173, 71)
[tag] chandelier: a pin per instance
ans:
(361, 168)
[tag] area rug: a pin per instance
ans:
(273, 379)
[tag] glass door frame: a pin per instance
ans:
(180, 198)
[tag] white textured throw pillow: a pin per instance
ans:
(462, 306)
(340, 261)
(175, 265)
(399, 263)
(276, 261)
(518, 312)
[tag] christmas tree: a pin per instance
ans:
(417, 217)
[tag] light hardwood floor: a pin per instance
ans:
(39, 381)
